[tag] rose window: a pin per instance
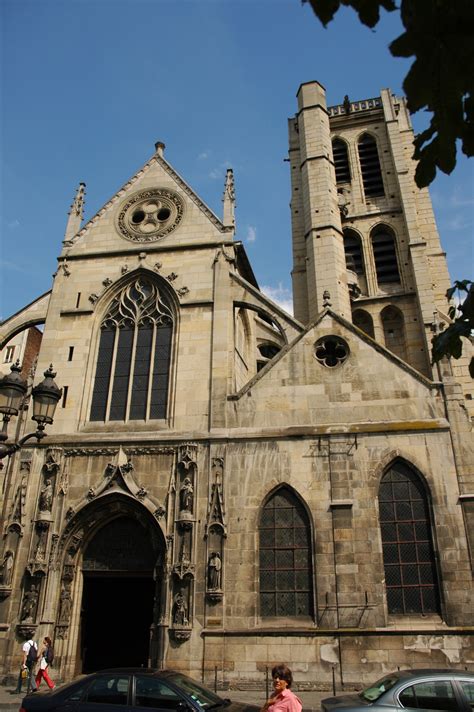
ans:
(150, 215)
(331, 351)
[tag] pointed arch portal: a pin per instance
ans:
(118, 596)
(117, 583)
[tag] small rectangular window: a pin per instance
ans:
(9, 353)
(65, 392)
(78, 300)
(71, 352)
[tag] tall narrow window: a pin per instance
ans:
(385, 255)
(285, 557)
(341, 161)
(370, 166)
(132, 372)
(353, 251)
(363, 321)
(408, 555)
(394, 331)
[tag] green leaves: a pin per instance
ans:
(449, 342)
(368, 10)
(438, 35)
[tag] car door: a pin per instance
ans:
(467, 693)
(153, 693)
(107, 692)
(430, 695)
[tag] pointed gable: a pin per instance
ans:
(155, 207)
(335, 375)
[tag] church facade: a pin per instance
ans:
(226, 486)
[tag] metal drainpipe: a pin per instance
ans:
(336, 588)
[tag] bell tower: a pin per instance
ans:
(319, 268)
(364, 235)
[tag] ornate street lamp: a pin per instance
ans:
(12, 392)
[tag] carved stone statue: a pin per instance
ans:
(40, 551)
(46, 497)
(7, 568)
(30, 601)
(65, 607)
(214, 569)
(180, 612)
(186, 496)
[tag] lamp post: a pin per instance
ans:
(12, 392)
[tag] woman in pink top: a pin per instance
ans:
(283, 700)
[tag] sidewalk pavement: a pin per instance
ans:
(311, 699)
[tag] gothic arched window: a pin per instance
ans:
(341, 161)
(133, 362)
(410, 573)
(394, 330)
(363, 321)
(385, 255)
(370, 166)
(285, 557)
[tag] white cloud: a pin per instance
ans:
(281, 295)
(219, 171)
(251, 234)
(13, 224)
(203, 155)
(459, 199)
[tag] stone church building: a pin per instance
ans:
(228, 486)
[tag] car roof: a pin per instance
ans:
(431, 672)
(136, 671)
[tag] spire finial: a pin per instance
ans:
(229, 199)
(76, 214)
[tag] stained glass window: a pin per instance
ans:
(285, 557)
(133, 362)
(410, 572)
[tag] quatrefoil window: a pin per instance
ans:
(331, 351)
(150, 215)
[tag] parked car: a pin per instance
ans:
(129, 690)
(410, 689)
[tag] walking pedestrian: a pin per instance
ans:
(46, 658)
(283, 699)
(30, 657)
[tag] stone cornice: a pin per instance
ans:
(150, 248)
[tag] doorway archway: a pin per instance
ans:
(118, 569)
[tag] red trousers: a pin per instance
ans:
(43, 675)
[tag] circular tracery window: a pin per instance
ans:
(150, 215)
(331, 351)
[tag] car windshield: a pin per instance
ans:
(372, 693)
(201, 695)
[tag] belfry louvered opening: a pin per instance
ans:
(353, 252)
(370, 167)
(341, 161)
(133, 362)
(385, 255)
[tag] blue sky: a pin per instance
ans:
(88, 86)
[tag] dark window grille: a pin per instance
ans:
(385, 257)
(353, 252)
(133, 362)
(285, 557)
(370, 167)
(364, 321)
(410, 572)
(341, 161)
